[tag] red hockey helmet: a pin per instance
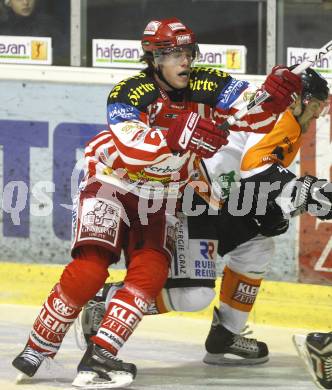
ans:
(166, 33)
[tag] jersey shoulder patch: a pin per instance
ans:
(138, 91)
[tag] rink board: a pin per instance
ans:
(278, 303)
(47, 114)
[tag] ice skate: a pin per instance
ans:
(28, 362)
(315, 350)
(224, 347)
(99, 369)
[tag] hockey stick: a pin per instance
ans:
(263, 96)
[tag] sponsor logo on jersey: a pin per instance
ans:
(207, 249)
(142, 177)
(131, 128)
(176, 26)
(183, 39)
(230, 93)
(197, 84)
(118, 112)
(61, 308)
(116, 90)
(152, 28)
(289, 143)
(221, 187)
(245, 293)
(166, 169)
(135, 94)
(170, 239)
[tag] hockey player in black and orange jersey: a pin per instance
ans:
(256, 158)
(159, 123)
(263, 163)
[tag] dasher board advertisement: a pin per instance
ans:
(25, 50)
(296, 55)
(229, 58)
(114, 53)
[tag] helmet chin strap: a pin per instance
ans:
(162, 78)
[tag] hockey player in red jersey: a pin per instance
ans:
(159, 124)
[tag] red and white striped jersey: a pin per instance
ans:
(133, 153)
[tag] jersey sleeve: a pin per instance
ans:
(137, 143)
(279, 146)
(227, 95)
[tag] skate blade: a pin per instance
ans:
(299, 341)
(91, 380)
(22, 379)
(227, 359)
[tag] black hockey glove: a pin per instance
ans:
(314, 196)
(272, 223)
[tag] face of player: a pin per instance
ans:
(22, 7)
(313, 110)
(175, 67)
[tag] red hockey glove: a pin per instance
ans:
(281, 83)
(192, 132)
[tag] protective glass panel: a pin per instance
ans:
(214, 22)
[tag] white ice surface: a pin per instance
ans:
(168, 353)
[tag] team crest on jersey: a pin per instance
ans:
(100, 220)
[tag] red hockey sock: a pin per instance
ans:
(53, 322)
(146, 276)
(124, 313)
(79, 282)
